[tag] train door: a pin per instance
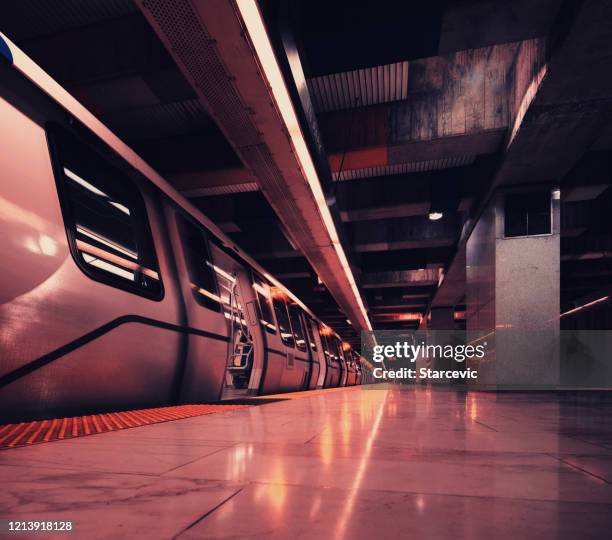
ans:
(358, 373)
(315, 368)
(337, 355)
(335, 360)
(352, 371)
(294, 364)
(318, 340)
(302, 351)
(343, 364)
(262, 292)
(204, 368)
(332, 377)
(245, 353)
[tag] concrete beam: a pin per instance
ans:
(563, 104)
(386, 212)
(588, 256)
(471, 25)
(562, 101)
(402, 244)
(404, 278)
(215, 182)
(456, 186)
(457, 105)
(403, 233)
(452, 289)
(404, 316)
(293, 275)
(455, 146)
(396, 307)
(276, 255)
(208, 41)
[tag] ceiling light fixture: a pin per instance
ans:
(253, 21)
(435, 216)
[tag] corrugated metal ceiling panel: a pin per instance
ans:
(404, 168)
(221, 190)
(30, 18)
(161, 120)
(370, 86)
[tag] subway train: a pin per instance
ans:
(118, 293)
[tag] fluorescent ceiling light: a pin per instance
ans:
(435, 216)
(256, 29)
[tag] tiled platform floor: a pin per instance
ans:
(356, 463)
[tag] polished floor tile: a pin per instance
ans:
(109, 506)
(389, 462)
(280, 512)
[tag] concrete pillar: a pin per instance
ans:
(513, 299)
(439, 328)
(442, 318)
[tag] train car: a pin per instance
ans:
(116, 291)
(358, 370)
(352, 367)
(367, 369)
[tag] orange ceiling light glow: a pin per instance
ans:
(346, 346)
(278, 294)
(410, 317)
(254, 24)
(326, 331)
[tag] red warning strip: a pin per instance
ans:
(41, 431)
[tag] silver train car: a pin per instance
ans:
(116, 292)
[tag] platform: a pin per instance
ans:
(351, 463)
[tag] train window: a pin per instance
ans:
(298, 331)
(336, 349)
(105, 217)
(282, 317)
(197, 258)
(309, 331)
(263, 298)
(333, 352)
(330, 349)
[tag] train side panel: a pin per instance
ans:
(48, 303)
(206, 351)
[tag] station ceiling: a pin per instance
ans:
(418, 107)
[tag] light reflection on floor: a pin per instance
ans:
(390, 462)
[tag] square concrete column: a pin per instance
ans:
(442, 318)
(440, 325)
(513, 291)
